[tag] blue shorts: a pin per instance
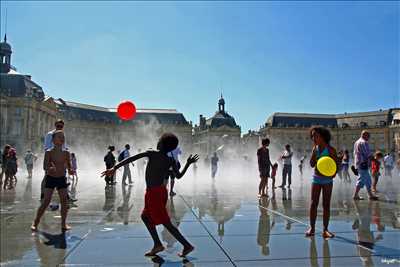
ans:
(322, 180)
(364, 179)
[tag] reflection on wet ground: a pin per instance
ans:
(226, 222)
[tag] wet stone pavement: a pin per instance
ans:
(224, 220)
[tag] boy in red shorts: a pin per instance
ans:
(155, 200)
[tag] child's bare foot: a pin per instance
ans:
(153, 252)
(66, 228)
(310, 232)
(34, 227)
(186, 251)
(327, 234)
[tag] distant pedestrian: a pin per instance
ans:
(345, 166)
(388, 162)
(214, 165)
(287, 166)
(29, 158)
(127, 171)
(375, 169)
(175, 155)
(109, 160)
(4, 156)
(362, 160)
(264, 166)
(301, 165)
(11, 169)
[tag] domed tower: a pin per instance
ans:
(221, 105)
(5, 56)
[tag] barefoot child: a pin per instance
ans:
(375, 169)
(321, 138)
(264, 164)
(56, 161)
(155, 200)
(273, 174)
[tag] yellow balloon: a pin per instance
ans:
(326, 166)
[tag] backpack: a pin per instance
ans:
(121, 156)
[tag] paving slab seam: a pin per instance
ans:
(317, 228)
(87, 234)
(307, 258)
(209, 233)
(137, 263)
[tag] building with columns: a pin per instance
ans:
(27, 114)
(293, 128)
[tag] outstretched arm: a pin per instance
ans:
(190, 160)
(111, 171)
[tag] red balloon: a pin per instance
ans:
(126, 110)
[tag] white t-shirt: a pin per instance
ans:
(288, 160)
(388, 161)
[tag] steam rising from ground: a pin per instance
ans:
(237, 162)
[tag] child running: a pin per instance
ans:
(375, 169)
(155, 200)
(56, 161)
(321, 138)
(264, 164)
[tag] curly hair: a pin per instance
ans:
(265, 142)
(323, 132)
(168, 142)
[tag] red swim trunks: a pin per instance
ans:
(155, 201)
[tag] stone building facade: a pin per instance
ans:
(218, 133)
(91, 127)
(293, 128)
(26, 115)
(25, 112)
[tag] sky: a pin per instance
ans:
(264, 57)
